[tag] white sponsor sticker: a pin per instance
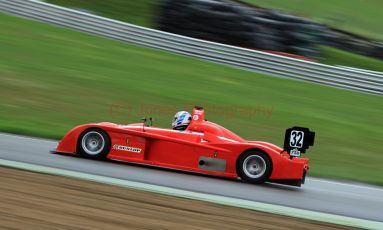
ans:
(295, 153)
(126, 148)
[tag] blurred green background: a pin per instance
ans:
(360, 17)
(53, 79)
(353, 16)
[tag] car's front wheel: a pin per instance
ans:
(254, 167)
(93, 143)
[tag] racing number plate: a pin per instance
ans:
(296, 141)
(296, 138)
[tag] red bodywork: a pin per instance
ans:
(183, 150)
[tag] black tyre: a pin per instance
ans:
(254, 167)
(93, 143)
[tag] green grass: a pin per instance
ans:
(53, 79)
(141, 12)
(359, 17)
(332, 56)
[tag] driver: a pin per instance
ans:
(181, 120)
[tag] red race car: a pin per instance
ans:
(203, 147)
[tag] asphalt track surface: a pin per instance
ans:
(352, 200)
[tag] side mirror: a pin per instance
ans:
(151, 121)
(145, 119)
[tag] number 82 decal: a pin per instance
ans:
(296, 138)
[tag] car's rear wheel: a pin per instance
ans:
(93, 143)
(254, 167)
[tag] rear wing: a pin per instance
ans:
(297, 140)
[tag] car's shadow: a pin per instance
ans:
(150, 167)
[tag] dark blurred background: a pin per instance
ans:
(322, 31)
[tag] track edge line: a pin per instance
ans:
(228, 201)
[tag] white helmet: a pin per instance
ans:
(181, 120)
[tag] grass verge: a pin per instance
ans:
(334, 56)
(140, 12)
(359, 17)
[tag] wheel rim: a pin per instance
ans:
(254, 166)
(93, 143)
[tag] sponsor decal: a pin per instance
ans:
(126, 148)
(295, 152)
(195, 117)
